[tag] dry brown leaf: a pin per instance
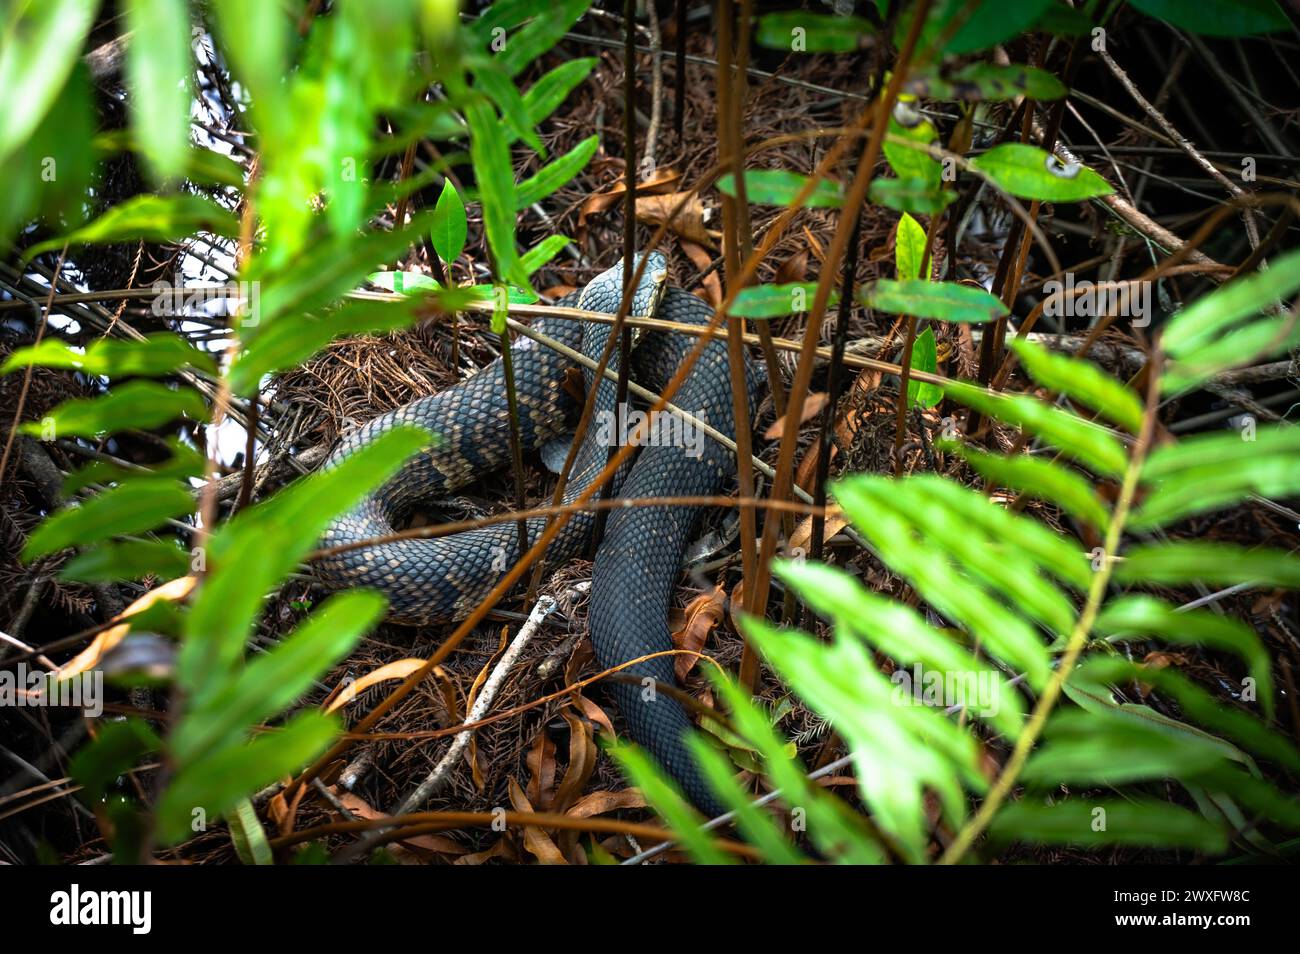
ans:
(541, 770)
(655, 210)
(815, 246)
(536, 842)
(700, 617)
(737, 603)
(172, 591)
(801, 539)
(812, 406)
(501, 849)
(598, 803)
(700, 257)
(596, 714)
(345, 693)
(582, 762)
(793, 269)
(662, 181)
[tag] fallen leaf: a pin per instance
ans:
(662, 181)
(801, 539)
(172, 591)
(598, 803)
(700, 617)
(582, 762)
(689, 219)
(700, 257)
(793, 269)
(812, 406)
(536, 842)
(393, 670)
(541, 770)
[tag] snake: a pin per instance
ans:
(639, 556)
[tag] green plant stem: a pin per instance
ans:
(1074, 647)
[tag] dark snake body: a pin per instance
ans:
(639, 558)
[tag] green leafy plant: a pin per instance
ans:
(315, 99)
(1024, 630)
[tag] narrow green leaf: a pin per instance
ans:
(43, 42)
(115, 749)
(777, 301)
(545, 96)
(543, 252)
(1081, 749)
(150, 217)
(255, 38)
(1100, 700)
(1212, 485)
(450, 227)
(924, 358)
(1207, 316)
(158, 69)
(136, 404)
(159, 353)
(1238, 347)
(251, 844)
(1092, 822)
(1038, 478)
(185, 462)
(557, 174)
(779, 187)
(327, 270)
(1072, 435)
(403, 283)
(498, 87)
(1028, 172)
(1218, 17)
(549, 24)
(134, 507)
(1083, 381)
(798, 31)
(249, 556)
(1219, 450)
(837, 832)
(1195, 702)
(1061, 556)
(943, 301)
(216, 785)
(901, 750)
(899, 631)
(127, 560)
(496, 184)
(757, 826)
(1192, 561)
(910, 195)
(291, 340)
(1141, 617)
(660, 792)
(274, 680)
(909, 248)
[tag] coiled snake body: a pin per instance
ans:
(639, 557)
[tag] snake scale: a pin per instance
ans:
(639, 557)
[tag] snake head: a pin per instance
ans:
(647, 294)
